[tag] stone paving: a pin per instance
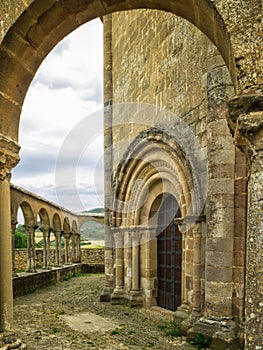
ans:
(43, 320)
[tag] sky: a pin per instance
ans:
(67, 90)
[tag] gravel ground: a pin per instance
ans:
(39, 323)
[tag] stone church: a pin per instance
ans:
(183, 153)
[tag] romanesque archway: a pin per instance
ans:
(28, 34)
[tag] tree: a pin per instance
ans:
(20, 237)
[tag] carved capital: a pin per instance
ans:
(9, 156)
(57, 233)
(45, 229)
(67, 235)
(245, 119)
(30, 229)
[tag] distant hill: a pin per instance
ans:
(94, 210)
(92, 230)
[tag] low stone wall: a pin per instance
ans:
(88, 256)
(92, 255)
(26, 283)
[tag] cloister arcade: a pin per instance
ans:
(53, 219)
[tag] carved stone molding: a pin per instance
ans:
(9, 156)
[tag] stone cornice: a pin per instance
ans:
(245, 119)
(9, 156)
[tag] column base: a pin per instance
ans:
(106, 294)
(182, 316)
(118, 297)
(223, 333)
(135, 298)
(8, 341)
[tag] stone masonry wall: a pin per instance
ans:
(160, 59)
(88, 256)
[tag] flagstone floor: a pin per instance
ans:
(69, 316)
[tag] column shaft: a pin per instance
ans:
(6, 295)
(57, 235)
(13, 225)
(197, 268)
(67, 238)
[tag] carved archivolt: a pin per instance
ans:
(153, 164)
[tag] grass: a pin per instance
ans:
(200, 342)
(171, 329)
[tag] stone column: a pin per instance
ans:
(183, 313)
(246, 122)
(31, 251)
(197, 264)
(67, 248)
(58, 234)
(46, 238)
(8, 159)
(76, 248)
(148, 265)
(136, 294)
(109, 244)
(118, 296)
(13, 225)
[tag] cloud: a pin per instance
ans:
(66, 89)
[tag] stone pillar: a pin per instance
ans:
(219, 245)
(46, 238)
(220, 195)
(118, 296)
(136, 294)
(13, 226)
(76, 248)
(31, 251)
(8, 159)
(246, 122)
(58, 234)
(197, 238)
(109, 244)
(67, 247)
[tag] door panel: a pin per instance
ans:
(169, 255)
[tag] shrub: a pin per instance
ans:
(200, 342)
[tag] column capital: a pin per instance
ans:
(30, 228)
(67, 235)
(45, 229)
(245, 120)
(9, 156)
